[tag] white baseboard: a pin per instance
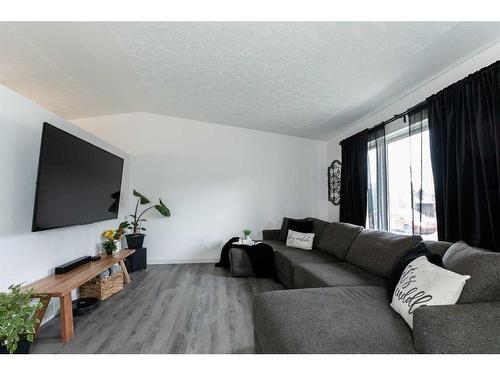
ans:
(182, 261)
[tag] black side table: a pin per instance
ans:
(137, 260)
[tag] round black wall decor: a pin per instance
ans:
(334, 182)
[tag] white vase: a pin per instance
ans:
(248, 238)
(118, 245)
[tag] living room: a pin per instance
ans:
(246, 187)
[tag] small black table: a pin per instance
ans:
(136, 261)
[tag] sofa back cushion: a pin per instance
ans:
(438, 247)
(337, 238)
(484, 268)
(379, 251)
(318, 227)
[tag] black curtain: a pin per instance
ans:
(464, 122)
(355, 191)
(354, 179)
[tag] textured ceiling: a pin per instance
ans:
(303, 79)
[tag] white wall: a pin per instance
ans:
(442, 80)
(217, 180)
(26, 256)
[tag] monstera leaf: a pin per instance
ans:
(142, 198)
(162, 209)
(124, 225)
(135, 224)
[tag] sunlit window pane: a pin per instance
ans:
(399, 187)
(408, 169)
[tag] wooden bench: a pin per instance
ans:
(60, 286)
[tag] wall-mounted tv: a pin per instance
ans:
(78, 182)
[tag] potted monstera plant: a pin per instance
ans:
(136, 238)
(17, 320)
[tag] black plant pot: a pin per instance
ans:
(135, 241)
(23, 347)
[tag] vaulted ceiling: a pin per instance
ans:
(303, 79)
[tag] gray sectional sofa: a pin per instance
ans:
(337, 300)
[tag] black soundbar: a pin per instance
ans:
(66, 267)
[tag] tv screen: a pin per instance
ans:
(78, 183)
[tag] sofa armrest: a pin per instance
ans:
(271, 234)
(462, 328)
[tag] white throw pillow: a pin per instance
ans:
(425, 284)
(300, 240)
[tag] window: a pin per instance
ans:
(408, 194)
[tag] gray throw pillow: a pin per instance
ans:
(483, 267)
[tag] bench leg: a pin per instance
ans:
(41, 312)
(126, 276)
(67, 330)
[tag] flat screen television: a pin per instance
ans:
(77, 183)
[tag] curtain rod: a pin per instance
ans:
(402, 114)
(394, 118)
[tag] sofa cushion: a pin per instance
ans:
(286, 258)
(282, 270)
(337, 238)
(329, 320)
(285, 278)
(271, 234)
(438, 247)
(275, 244)
(379, 251)
(315, 275)
(318, 226)
(484, 268)
(457, 328)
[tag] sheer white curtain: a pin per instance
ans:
(377, 217)
(421, 178)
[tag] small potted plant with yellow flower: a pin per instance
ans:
(112, 238)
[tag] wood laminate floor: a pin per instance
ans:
(178, 308)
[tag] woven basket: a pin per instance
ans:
(102, 288)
